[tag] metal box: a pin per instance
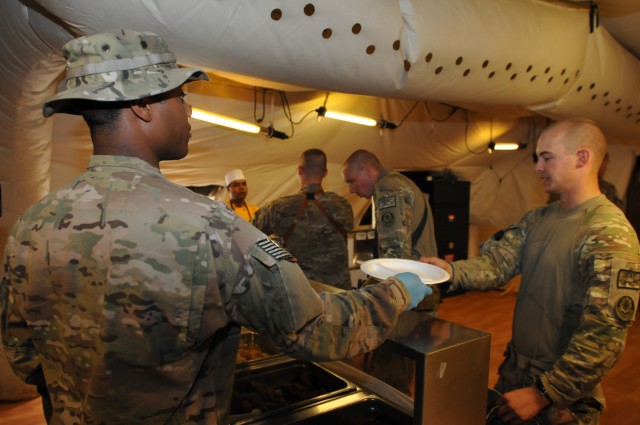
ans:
(442, 366)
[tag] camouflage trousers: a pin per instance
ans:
(582, 412)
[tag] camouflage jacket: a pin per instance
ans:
(400, 206)
(317, 243)
(127, 293)
(578, 295)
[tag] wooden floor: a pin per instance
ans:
(492, 312)
(487, 311)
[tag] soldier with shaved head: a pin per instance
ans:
(403, 216)
(580, 265)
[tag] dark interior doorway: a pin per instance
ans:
(633, 197)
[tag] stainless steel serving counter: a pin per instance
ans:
(428, 372)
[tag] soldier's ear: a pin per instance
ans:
(367, 171)
(141, 110)
(582, 158)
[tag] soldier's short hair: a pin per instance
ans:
(362, 158)
(313, 162)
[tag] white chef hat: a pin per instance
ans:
(234, 175)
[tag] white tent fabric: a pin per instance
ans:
(508, 67)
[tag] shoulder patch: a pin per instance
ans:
(624, 288)
(275, 250)
(625, 308)
(387, 218)
(387, 202)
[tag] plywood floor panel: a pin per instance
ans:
(487, 311)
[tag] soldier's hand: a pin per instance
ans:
(520, 406)
(439, 262)
(416, 289)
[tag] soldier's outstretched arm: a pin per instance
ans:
(271, 295)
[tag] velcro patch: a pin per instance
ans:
(628, 279)
(275, 250)
(387, 218)
(624, 287)
(625, 308)
(387, 202)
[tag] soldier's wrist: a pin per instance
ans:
(541, 388)
(452, 270)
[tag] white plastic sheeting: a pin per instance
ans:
(500, 59)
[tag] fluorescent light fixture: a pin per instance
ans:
(504, 146)
(356, 119)
(351, 118)
(199, 114)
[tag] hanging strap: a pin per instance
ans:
(418, 232)
(339, 227)
(289, 231)
(311, 196)
(245, 207)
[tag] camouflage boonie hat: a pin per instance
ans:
(118, 66)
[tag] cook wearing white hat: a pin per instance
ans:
(237, 187)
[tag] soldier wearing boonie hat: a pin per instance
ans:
(124, 294)
(122, 65)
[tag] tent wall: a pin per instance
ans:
(508, 66)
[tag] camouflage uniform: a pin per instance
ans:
(318, 245)
(400, 206)
(580, 280)
(126, 293)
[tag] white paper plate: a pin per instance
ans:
(382, 268)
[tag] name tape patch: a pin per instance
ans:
(387, 202)
(628, 279)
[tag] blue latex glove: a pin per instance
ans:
(416, 289)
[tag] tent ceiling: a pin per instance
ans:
(517, 62)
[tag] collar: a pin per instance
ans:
(103, 161)
(382, 174)
(307, 188)
(589, 203)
